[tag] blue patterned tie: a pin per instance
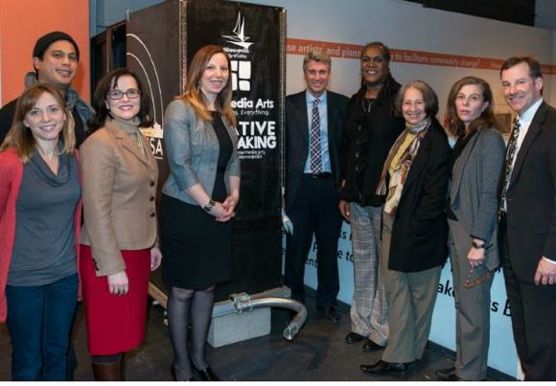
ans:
(510, 155)
(316, 163)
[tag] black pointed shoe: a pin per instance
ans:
(370, 346)
(208, 375)
(181, 378)
(330, 313)
(382, 367)
(354, 337)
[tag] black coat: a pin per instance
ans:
(297, 138)
(420, 229)
(531, 197)
(368, 139)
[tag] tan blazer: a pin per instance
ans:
(119, 190)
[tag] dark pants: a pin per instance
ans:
(533, 312)
(315, 211)
(39, 322)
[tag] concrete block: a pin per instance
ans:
(233, 327)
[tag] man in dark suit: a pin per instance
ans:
(314, 125)
(528, 218)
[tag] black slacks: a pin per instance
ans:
(315, 211)
(533, 313)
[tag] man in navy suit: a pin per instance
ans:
(528, 218)
(314, 126)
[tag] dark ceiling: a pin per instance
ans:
(513, 11)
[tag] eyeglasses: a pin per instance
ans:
(477, 275)
(131, 93)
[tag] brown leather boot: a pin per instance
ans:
(108, 371)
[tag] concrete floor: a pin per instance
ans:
(318, 353)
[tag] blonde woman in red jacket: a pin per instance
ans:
(40, 198)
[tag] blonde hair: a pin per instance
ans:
(193, 94)
(20, 136)
(317, 56)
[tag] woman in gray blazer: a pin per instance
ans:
(477, 161)
(198, 201)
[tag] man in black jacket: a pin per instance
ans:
(528, 218)
(55, 58)
(314, 132)
(371, 130)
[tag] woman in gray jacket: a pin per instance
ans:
(199, 200)
(472, 218)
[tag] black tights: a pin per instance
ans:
(181, 304)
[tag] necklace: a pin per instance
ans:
(367, 104)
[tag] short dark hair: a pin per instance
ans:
(534, 66)
(109, 82)
(385, 50)
(45, 41)
(429, 97)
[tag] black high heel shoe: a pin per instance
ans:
(207, 374)
(175, 378)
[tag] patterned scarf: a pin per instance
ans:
(393, 190)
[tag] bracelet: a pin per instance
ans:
(208, 207)
(478, 246)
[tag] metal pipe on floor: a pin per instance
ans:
(240, 302)
(244, 302)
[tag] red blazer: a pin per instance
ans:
(11, 173)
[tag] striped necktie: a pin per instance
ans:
(510, 156)
(316, 162)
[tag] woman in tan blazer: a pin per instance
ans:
(119, 238)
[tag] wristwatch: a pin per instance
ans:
(208, 207)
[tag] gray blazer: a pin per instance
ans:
(192, 152)
(473, 193)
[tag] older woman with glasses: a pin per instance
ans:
(119, 238)
(472, 217)
(414, 232)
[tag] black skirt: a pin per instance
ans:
(196, 249)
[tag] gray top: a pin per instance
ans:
(192, 150)
(44, 247)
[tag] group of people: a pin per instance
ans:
(383, 162)
(78, 213)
